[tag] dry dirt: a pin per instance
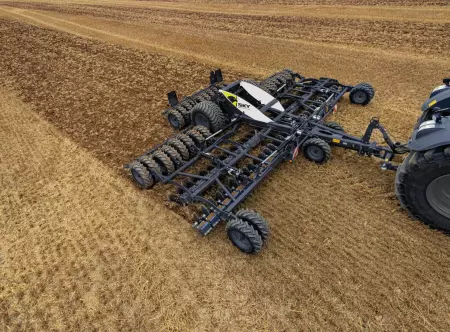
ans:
(81, 91)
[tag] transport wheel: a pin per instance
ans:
(209, 115)
(141, 175)
(196, 137)
(203, 130)
(362, 94)
(173, 155)
(244, 236)
(335, 126)
(188, 143)
(317, 150)
(179, 146)
(256, 220)
(163, 160)
(175, 118)
(422, 185)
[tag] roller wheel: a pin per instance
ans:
(189, 143)
(317, 150)
(141, 175)
(244, 236)
(173, 155)
(362, 94)
(175, 119)
(180, 147)
(256, 220)
(335, 126)
(185, 113)
(196, 137)
(209, 115)
(422, 185)
(151, 165)
(270, 86)
(164, 162)
(203, 130)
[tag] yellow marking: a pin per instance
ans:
(432, 103)
(335, 140)
(228, 94)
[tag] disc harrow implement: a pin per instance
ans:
(234, 135)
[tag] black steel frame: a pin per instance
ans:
(310, 102)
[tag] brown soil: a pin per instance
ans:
(82, 249)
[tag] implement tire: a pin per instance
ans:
(209, 115)
(256, 220)
(141, 175)
(244, 236)
(317, 150)
(422, 185)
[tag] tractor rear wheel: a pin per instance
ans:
(317, 150)
(422, 185)
(209, 115)
(244, 236)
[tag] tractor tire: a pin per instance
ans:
(256, 220)
(188, 143)
(317, 150)
(151, 165)
(164, 162)
(203, 130)
(173, 155)
(176, 120)
(244, 236)
(422, 185)
(196, 137)
(362, 94)
(335, 126)
(141, 175)
(180, 147)
(209, 115)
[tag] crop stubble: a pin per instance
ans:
(342, 254)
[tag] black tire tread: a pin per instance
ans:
(256, 220)
(144, 173)
(409, 192)
(322, 144)
(165, 161)
(179, 146)
(249, 231)
(178, 116)
(212, 112)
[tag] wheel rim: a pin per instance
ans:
(201, 120)
(438, 195)
(137, 177)
(174, 121)
(315, 153)
(359, 97)
(240, 240)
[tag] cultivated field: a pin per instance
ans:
(82, 86)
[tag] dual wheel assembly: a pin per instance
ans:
(249, 231)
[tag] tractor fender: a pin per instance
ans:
(430, 135)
